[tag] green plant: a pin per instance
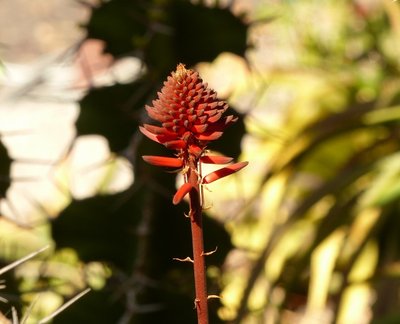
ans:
(28, 313)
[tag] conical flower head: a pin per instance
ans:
(190, 113)
(191, 116)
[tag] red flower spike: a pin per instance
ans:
(181, 193)
(163, 161)
(213, 176)
(191, 116)
(185, 104)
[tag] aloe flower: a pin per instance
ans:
(191, 116)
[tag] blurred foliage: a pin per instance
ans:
(309, 232)
(319, 216)
(162, 33)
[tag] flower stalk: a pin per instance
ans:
(195, 214)
(191, 116)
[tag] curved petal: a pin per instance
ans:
(221, 173)
(150, 135)
(163, 161)
(158, 130)
(216, 159)
(175, 145)
(181, 193)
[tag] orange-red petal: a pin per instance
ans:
(216, 159)
(209, 136)
(158, 130)
(162, 138)
(152, 136)
(175, 145)
(181, 193)
(213, 176)
(163, 161)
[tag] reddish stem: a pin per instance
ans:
(198, 245)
